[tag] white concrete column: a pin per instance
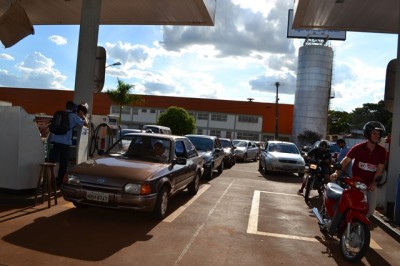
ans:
(394, 166)
(87, 47)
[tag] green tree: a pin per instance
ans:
(308, 137)
(371, 112)
(338, 122)
(122, 97)
(178, 120)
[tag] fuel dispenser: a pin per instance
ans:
(104, 134)
(22, 149)
(79, 149)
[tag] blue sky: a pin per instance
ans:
(241, 57)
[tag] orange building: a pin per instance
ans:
(36, 101)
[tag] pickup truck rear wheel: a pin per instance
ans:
(194, 185)
(221, 167)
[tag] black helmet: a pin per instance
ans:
(323, 145)
(373, 125)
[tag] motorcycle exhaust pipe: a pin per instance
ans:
(319, 218)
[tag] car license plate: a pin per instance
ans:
(97, 196)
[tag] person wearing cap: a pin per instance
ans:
(61, 143)
(82, 111)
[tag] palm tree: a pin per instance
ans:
(122, 97)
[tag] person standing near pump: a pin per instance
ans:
(61, 142)
(344, 149)
(369, 161)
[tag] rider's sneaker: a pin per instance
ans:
(300, 191)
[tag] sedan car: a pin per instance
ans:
(281, 156)
(133, 175)
(245, 150)
(211, 150)
(229, 152)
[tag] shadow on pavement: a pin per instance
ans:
(83, 234)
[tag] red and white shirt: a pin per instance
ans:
(366, 161)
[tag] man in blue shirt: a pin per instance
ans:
(61, 143)
(344, 149)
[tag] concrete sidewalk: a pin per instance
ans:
(387, 225)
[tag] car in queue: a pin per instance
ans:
(245, 150)
(133, 175)
(281, 156)
(125, 131)
(229, 152)
(211, 150)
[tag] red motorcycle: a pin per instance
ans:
(344, 214)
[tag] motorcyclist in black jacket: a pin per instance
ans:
(323, 156)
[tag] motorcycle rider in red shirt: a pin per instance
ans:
(369, 161)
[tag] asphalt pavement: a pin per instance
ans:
(217, 227)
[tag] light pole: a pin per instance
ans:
(276, 111)
(115, 64)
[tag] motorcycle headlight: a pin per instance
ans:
(313, 166)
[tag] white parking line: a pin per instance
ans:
(198, 230)
(252, 227)
(170, 218)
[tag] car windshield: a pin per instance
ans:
(225, 143)
(283, 148)
(145, 148)
(202, 144)
(240, 143)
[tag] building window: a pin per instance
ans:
(214, 132)
(202, 116)
(228, 135)
(114, 109)
(125, 109)
(144, 110)
(152, 111)
(247, 135)
(248, 119)
(199, 131)
(219, 117)
(135, 111)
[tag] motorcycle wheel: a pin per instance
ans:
(309, 184)
(354, 244)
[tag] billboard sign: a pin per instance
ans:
(313, 34)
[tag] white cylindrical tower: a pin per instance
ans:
(314, 76)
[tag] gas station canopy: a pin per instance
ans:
(120, 12)
(348, 15)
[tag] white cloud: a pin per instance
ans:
(36, 71)
(6, 57)
(59, 40)
(242, 56)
